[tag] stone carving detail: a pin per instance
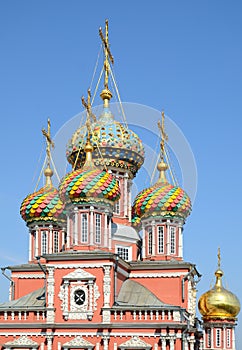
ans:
(78, 341)
(192, 295)
(23, 341)
(135, 342)
(84, 282)
(106, 285)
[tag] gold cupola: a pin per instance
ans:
(218, 302)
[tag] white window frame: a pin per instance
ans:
(160, 239)
(218, 336)
(209, 337)
(125, 252)
(44, 245)
(150, 241)
(116, 208)
(56, 241)
(228, 338)
(98, 220)
(172, 240)
(84, 228)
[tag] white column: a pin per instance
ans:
(233, 339)
(105, 238)
(130, 200)
(143, 242)
(68, 232)
(49, 342)
(163, 343)
(153, 238)
(91, 225)
(110, 235)
(212, 337)
(168, 237)
(50, 239)
(75, 233)
(31, 240)
(180, 241)
(172, 344)
(62, 238)
(224, 337)
(105, 342)
(36, 240)
(125, 193)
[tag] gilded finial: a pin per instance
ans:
(219, 258)
(49, 143)
(106, 94)
(88, 147)
(162, 166)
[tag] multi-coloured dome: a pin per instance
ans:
(161, 199)
(89, 184)
(43, 205)
(218, 302)
(115, 146)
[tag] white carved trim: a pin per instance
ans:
(135, 343)
(78, 342)
(79, 274)
(78, 265)
(31, 275)
(22, 341)
(156, 275)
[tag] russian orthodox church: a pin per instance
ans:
(103, 273)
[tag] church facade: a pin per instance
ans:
(104, 273)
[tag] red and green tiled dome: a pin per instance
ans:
(43, 205)
(89, 184)
(161, 199)
(115, 146)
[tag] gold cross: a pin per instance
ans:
(164, 137)
(107, 53)
(87, 105)
(49, 142)
(219, 258)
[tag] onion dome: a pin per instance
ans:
(218, 302)
(115, 146)
(161, 199)
(89, 184)
(43, 205)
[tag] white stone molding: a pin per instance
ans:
(107, 285)
(29, 276)
(49, 338)
(192, 295)
(20, 342)
(77, 265)
(50, 239)
(156, 274)
(50, 295)
(135, 343)
(78, 342)
(79, 280)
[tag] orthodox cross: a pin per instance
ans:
(87, 105)
(107, 53)
(49, 142)
(219, 258)
(164, 137)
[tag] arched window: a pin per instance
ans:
(160, 239)
(98, 228)
(172, 240)
(150, 241)
(56, 241)
(218, 337)
(84, 228)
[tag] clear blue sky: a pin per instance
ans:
(181, 56)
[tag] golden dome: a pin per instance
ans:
(219, 302)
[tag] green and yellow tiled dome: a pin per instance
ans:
(115, 146)
(89, 184)
(161, 199)
(43, 205)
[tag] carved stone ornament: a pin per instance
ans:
(135, 343)
(79, 294)
(20, 342)
(78, 342)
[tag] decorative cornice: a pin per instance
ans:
(135, 343)
(78, 342)
(83, 266)
(79, 274)
(31, 275)
(156, 275)
(22, 341)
